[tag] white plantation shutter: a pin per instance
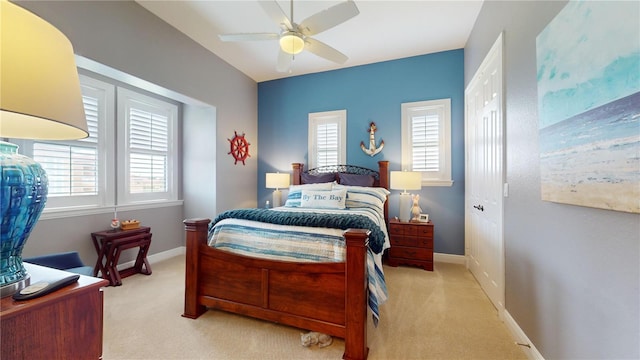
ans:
(426, 140)
(327, 138)
(75, 168)
(327, 143)
(71, 166)
(147, 137)
(148, 147)
(425, 143)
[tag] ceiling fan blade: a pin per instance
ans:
(276, 14)
(284, 61)
(249, 37)
(325, 51)
(328, 18)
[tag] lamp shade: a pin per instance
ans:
(40, 94)
(406, 180)
(291, 43)
(40, 98)
(277, 180)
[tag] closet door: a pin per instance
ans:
(484, 140)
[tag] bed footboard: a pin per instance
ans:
(326, 297)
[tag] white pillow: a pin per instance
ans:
(320, 199)
(365, 197)
(295, 192)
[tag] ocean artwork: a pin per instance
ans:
(588, 75)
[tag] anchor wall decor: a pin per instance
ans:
(373, 149)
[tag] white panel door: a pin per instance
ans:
(484, 176)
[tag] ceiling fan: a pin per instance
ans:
(294, 37)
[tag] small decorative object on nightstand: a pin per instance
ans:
(411, 244)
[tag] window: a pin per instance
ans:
(139, 162)
(426, 140)
(327, 138)
(75, 168)
(147, 162)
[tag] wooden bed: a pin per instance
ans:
(311, 296)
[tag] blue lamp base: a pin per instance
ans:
(23, 195)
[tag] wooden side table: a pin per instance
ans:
(411, 244)
(65, 324)
(109, 245)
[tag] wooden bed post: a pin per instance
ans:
(297, 173)
(196, 233)
(356, 303)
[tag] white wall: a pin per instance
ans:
(572, 273)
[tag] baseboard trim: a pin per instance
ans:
(521, 338)
(164, 255)
(449, 258)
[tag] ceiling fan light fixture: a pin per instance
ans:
(291, 43)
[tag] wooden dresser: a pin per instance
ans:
(411, 244)
(65, 324)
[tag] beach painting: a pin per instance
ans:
(588, 77)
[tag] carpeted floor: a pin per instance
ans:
(430, 315)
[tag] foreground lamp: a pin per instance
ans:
(277, 181)
(40, 98)
(291, 43)
(405, 180)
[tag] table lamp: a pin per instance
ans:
(405, 180)
(40, 98)
(277, 181)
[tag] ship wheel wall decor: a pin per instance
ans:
(239, 148)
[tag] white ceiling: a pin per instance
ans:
(384, 30)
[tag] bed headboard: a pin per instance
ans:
(381, 176)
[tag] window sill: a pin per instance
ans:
(76, 211)
(437, 183)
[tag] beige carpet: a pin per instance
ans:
(430, 315)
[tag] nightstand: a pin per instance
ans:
(65, 324)
(411, 244)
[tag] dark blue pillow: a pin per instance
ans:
(318, 178)
(356, 180)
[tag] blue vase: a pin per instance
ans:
(23, 194)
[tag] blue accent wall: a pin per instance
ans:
(369, 93)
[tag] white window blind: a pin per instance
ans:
(426, 140)
(71, 166)
(327, 138)
(327, 143)
(148, 147)
(425, 152)
(147, 137)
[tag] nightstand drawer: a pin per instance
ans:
(396, 229)
(403, 241)
(405, 229)
(426, 243)
(411, 253)
(425, 231)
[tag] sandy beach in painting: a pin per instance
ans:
(607, 176)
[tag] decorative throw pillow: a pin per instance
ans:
(356, 180)
(365, 197)
(318, 178)
(333, 199)
(295, 192)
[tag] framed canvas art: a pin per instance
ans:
(588, 77)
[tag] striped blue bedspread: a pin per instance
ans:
(301, 244)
